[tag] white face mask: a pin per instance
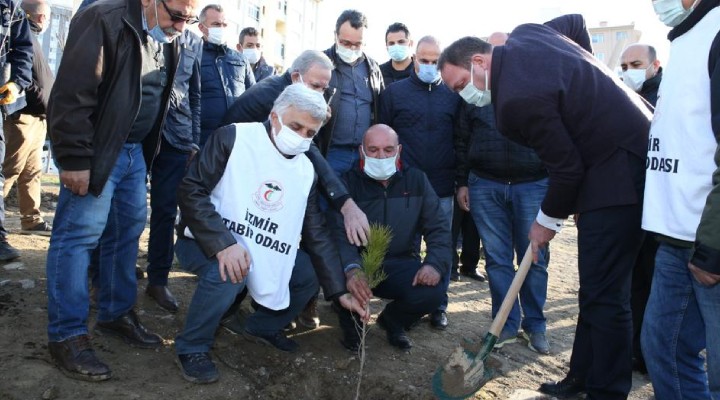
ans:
(634, 78)
(252, 55)
(672, 12)
(473, 95)
(216, 35)
(289, 142)
(348, 55)
(380, 169)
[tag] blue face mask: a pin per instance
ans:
(428, 73)
(398, 52)
(157, 33)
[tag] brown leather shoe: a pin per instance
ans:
(76, 359)
(129, 329)
(163, 297)
(309, 317)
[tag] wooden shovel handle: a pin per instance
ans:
(512, 293)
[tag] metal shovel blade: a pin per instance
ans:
(465, 371)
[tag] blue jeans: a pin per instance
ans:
(3, 231)
(342, 158)
(213, 297)
(77, 228)
(168, 169)
(503, 214)
(681, 319)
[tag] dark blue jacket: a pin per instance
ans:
(182, 123)
(256, 103)
(423, 115)
(226, 74)
(262, 70)
(485, 152)
(408, 206)
(589, 129)
(16, 49)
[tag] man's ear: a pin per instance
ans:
(239, 47)
(362, 157)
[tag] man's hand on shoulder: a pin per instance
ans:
(357, 227)
(426, 276)
(233, 261)
(76, 181)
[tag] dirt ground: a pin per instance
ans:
(322, 369)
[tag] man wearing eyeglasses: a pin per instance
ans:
(111, 94)
(358, 81)
(225, 73)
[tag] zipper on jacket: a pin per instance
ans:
(385, 207)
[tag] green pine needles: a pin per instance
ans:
(372, 259)
(374, 254)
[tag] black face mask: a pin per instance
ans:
(34, 27)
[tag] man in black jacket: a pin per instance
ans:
(15, 30)
(25, 130)
(111, 94)
(591, 133)
(242, 204)
(358, 82)
(400, 48)
(422, 110)
(642, 73)
(404, 201)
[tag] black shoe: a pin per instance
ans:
(129, 329)
(76, 359)
(163, 297)
(277, 340)
(564, 388)
(8, 252)
(197, 368)
(439, 320)
(396, 338)
(473, 275)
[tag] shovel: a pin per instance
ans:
(465, 372)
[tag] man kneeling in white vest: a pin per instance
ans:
(244, 202)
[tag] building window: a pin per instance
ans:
(598, 37)
(622, 35)
(254, 12)
(600, 56)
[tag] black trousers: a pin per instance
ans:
(470, 254)
(640, 292)
(608, 242)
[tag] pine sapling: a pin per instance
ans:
(371, 260)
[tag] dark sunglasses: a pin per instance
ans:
(178, 17)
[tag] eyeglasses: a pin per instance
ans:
(350, 45)
(176, 16)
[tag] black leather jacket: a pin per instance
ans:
(198, 213)
(324, 137)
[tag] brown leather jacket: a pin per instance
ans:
(97, 92)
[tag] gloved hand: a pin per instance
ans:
(9, 93)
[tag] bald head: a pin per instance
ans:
(380, 134)
(498, 38)
(38, 11)
(640, 56)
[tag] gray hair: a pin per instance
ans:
(203, 13)
(36, 7)
(302, 99)
(431, 40)
(309, 58)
